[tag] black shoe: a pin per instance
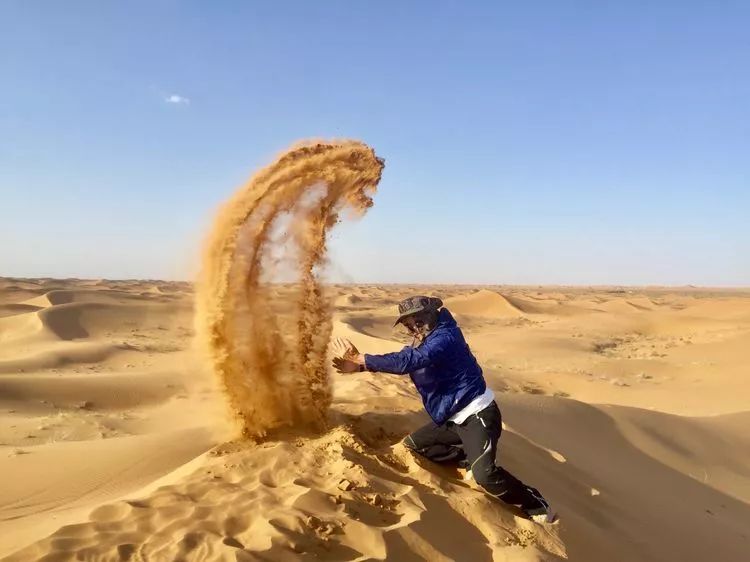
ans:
(543, 514)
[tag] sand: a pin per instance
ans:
(628, 408)
(268, 350)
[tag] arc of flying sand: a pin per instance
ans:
(268, 379)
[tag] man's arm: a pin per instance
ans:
(408, 359)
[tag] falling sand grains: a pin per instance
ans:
(272, 369)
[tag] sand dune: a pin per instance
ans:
(104, 391)
(533, 304)
(89, 407)
(348, 300)
(16, 308)
(627, 408)
(377, 325)
(483, 303)
(624, 500)
(92, 319)
(40, 494)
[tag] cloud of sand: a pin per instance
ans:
(270, 353)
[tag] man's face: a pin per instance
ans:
(414, 323)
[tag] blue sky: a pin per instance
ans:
(530, 142)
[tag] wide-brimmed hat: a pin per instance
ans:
(413, 305)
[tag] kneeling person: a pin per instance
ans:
(466, 421)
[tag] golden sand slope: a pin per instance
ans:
(627, 409)
(98, 397)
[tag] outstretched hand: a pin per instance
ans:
(346, 365)
(347, 358)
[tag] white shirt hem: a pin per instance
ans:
(477, 405)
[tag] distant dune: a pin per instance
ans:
(483, 303)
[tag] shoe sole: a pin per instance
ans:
(550, 518)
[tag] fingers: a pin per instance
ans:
(337, 364)
(351, 350)
(339, 348)
(341, 365)
(344, 348)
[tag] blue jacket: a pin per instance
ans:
(442, 368)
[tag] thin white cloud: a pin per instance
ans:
(177, 99)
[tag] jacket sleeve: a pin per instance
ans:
(409, 359)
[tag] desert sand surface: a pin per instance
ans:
(627, 407)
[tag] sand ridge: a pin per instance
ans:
(483, 303)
